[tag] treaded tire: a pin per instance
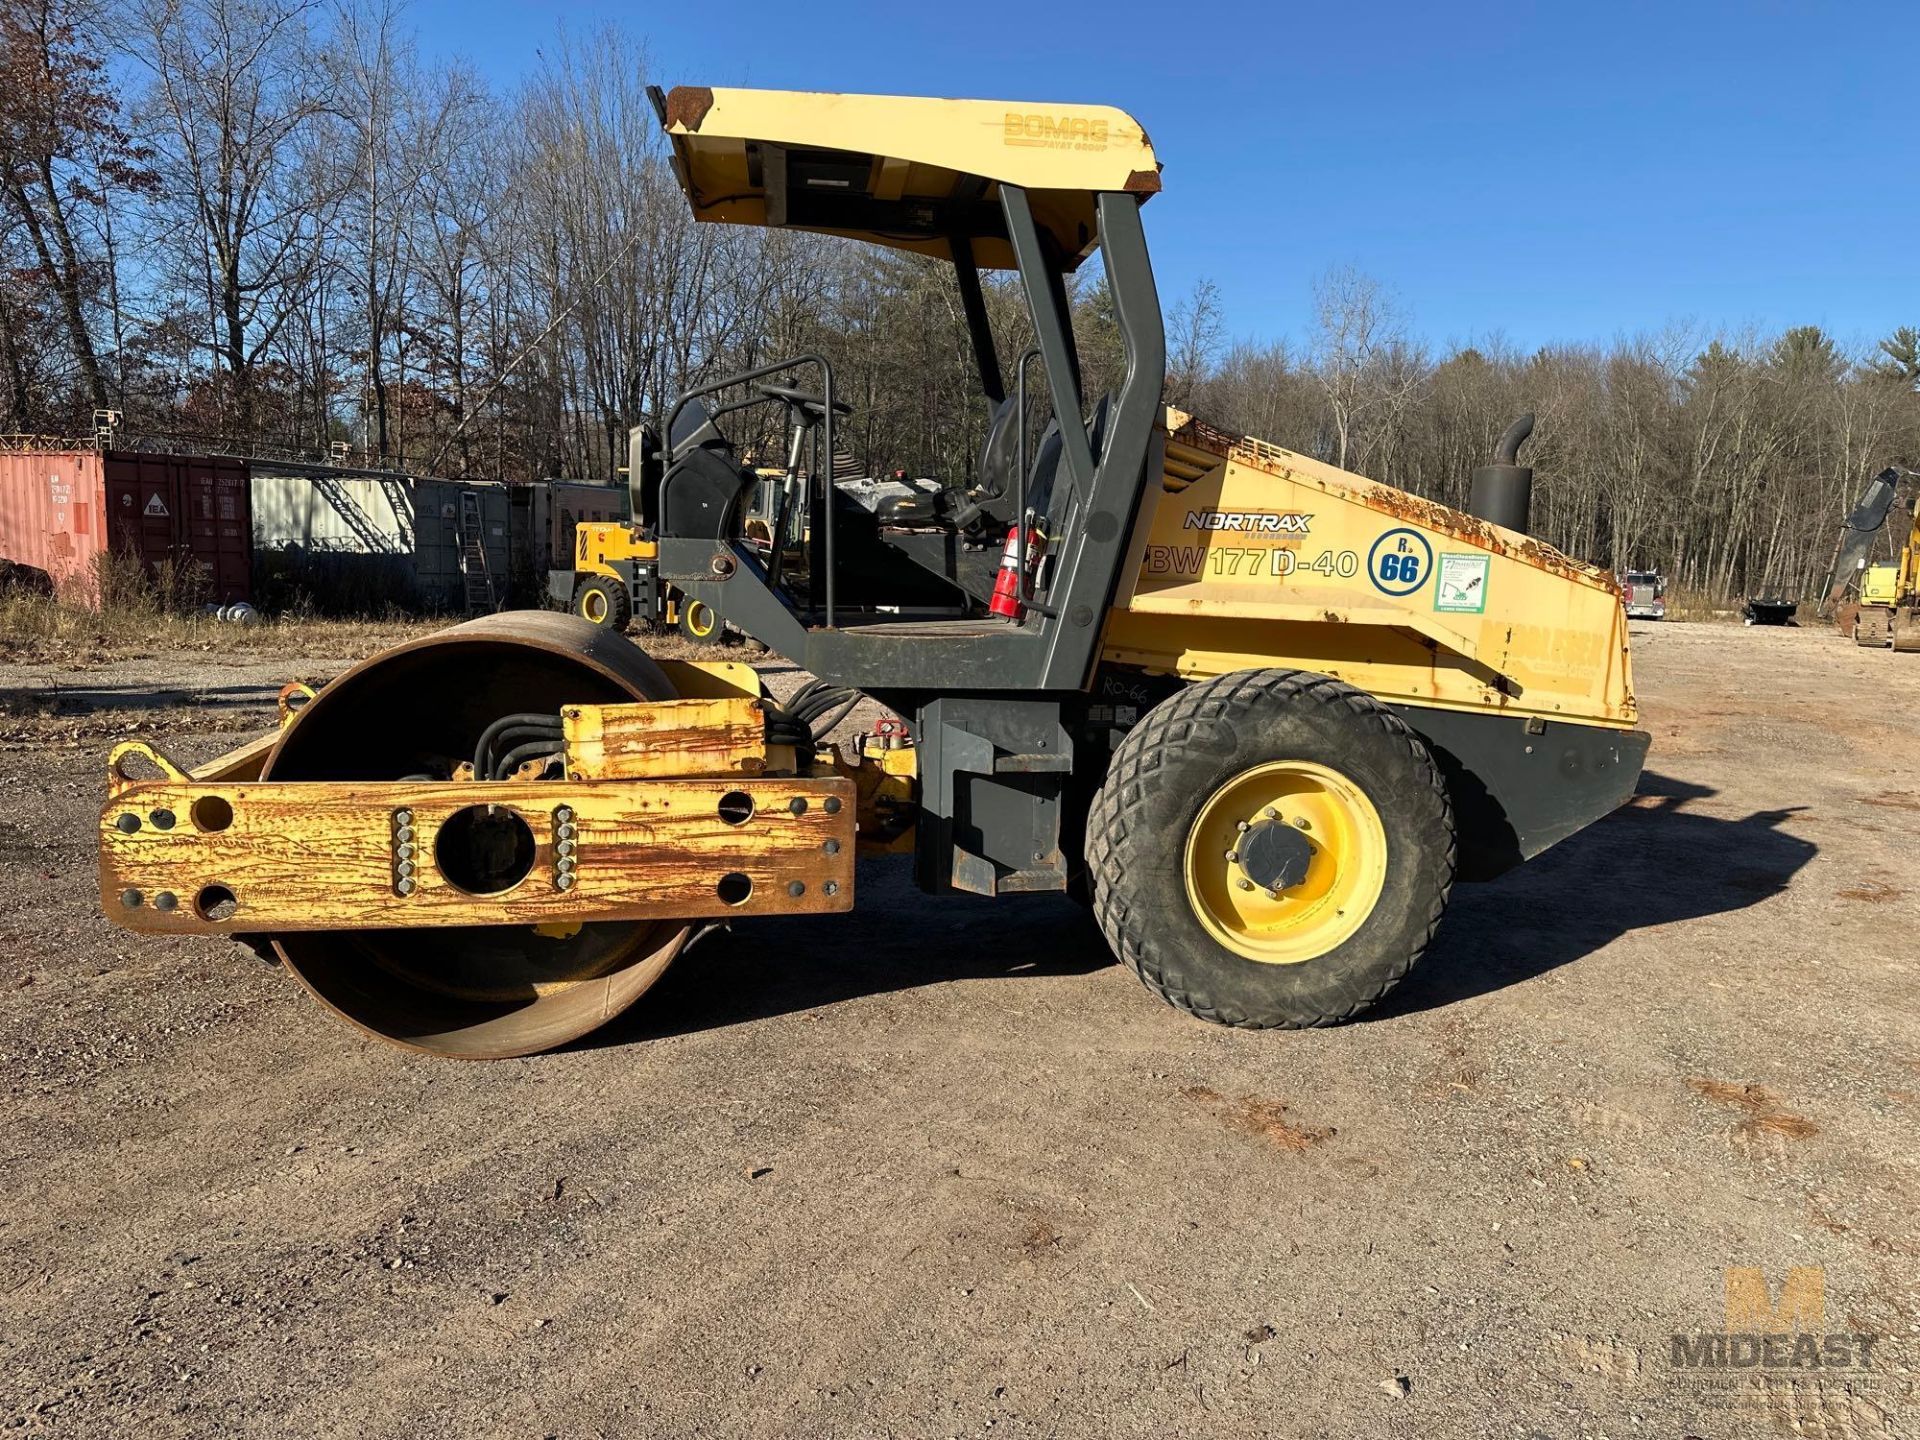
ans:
(619, 604)
(1180, 755)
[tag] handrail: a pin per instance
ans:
(759, 372)
(1020, 469)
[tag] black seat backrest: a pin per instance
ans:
(1046, 461)
(999, 453)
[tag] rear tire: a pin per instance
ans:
(1341, 920)
(604, 602)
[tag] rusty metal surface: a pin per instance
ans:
(1198, 435)
(196, 858)
(688, 105)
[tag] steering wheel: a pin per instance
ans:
(798, 399)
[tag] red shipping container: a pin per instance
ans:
(59, 509)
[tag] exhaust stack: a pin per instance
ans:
(1503, 491)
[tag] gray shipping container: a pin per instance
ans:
(438, 540)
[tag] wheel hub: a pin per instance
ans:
(1285, 861)
(1274, 855)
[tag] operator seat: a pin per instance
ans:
(954, 508)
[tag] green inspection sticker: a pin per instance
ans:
(1462, 586)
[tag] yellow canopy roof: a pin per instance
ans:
(902, 171)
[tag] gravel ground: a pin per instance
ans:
(942, 1169)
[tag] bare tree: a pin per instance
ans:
(65, 160)
(1361, 354)
(1194, 333)
(234, 84)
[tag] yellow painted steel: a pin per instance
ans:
(698, 619)
(935, 150)
(1880, 584)
(598, 543)
(1343, 879)
(1252, 556)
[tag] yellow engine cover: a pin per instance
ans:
(1253, 557)
(1880, 584)
(597, 543)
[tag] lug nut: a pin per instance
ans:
(1242, 826)
(563, 831)
(565, 881)
(1273, 894)
(564, 814)
(1300, 822)
(832, 887)
(1271, 813)
(403, 818)
(404, 885)
(1233, 854)
(1246, 884)
(565, 847)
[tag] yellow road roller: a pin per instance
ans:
(1258, 712)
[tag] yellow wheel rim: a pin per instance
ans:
(593, 606)
(1341, 869)
(700, 618)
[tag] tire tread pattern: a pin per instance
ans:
(1121, 810)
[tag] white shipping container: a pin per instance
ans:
(290, 510)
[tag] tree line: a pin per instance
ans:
(276, 227)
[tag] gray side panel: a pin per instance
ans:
(992, 773)
(1514, 793)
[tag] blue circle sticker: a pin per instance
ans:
(1399, 562)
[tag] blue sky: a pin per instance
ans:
(1561, 171)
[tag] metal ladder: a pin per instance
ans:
(473, 556)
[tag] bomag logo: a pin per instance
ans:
(1058, 132)
(1251, 522)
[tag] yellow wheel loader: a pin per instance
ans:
(1259, 712)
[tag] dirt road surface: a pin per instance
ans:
(942, 1169)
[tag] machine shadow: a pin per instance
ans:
(90, 699)
(1653, 862)
(895, 939)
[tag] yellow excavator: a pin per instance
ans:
(1886, 594)
(1259, 713)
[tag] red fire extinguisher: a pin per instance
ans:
(1007, 586)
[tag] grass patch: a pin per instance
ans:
(145, 611)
